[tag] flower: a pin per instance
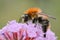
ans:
(19, 31)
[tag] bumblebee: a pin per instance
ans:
(35, 14)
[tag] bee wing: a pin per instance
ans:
(47, 15)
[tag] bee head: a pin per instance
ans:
(26, 17)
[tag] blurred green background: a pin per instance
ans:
(13, 9)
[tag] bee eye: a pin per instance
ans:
(26, 17)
